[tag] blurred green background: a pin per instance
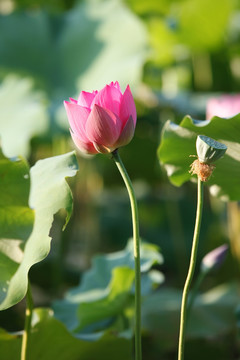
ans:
(175, 54)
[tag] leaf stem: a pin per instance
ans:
(136, 249)
(183, 320)
(27, 325)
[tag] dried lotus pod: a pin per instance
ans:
(208, 151)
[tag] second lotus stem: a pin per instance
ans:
(193, 259)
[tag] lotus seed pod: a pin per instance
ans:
(209, 150)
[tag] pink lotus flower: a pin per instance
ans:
(102, 121)
(223, 106)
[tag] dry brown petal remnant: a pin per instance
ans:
(202, 170)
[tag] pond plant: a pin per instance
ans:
(208, 151)
(102, 122)
(91, 269)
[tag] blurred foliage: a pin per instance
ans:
(105, 291)
(187, 37)
(43, 345)
(212, 317)
(23, 114)
(46, 52)
(175, 55)
(50, 5)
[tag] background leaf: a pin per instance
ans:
(86, 31)
(105, 289)
(81, 52)
(22, 115)
(50, 339)
(212, 315)
(16, 218)
(107, 302)
(49, 193)
(117, 55)
(178, 142)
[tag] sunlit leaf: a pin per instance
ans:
(22, 115)
(143, 7)
(48, 194)
(199, 27)
(162, 37)
(178, 143)
(79, 47)
(97, 33)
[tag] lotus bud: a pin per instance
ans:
(102, 121)
(214, 259)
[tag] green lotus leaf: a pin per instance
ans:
(108, 55)
(178, 144)
(25, 236)
(16, 218)
(105, 289)
(23, 114)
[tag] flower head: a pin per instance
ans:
(102, 121)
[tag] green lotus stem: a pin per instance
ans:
(193, 259)
(136, 249)
(27, 325)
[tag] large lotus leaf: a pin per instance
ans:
(97, 33)
(199, 27)
(212, 315)
(16, 218)
(178, 143)
(99, 304)
(48, 194)
(88, 45)
(22, 115)
(24, 50)
(51, 340)
(102, 285)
